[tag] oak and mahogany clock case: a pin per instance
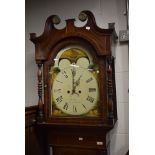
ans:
(76, 80)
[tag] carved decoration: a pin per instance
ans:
(110, 86)
(56, 20)
(83, 16)
(51, 36)
(40, 102)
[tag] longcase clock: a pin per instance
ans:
(76, 86)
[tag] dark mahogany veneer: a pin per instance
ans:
(76, 135)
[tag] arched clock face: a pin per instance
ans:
(74, 88)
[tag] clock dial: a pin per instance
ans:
(75, 91)
(74, 87)
(83, 62)
(64, 63)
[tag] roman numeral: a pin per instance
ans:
(92, 89)
(66, 106)
(84, 106)
(59, 99)
(74, 109)
(90, 99)
(90, 79)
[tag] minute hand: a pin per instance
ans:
(73, 80)
(78, 81)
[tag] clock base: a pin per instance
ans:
(77, 151)
(70, 140)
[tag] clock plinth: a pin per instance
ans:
(76, 86)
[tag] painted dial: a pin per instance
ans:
(75, 90)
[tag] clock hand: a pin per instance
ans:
(73, 80)
(78, 81)
(73, 71)
(74, 90)
(75, 84)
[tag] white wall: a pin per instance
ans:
(105, 11)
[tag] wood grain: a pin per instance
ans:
(63, 133)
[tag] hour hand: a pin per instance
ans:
(73, 80)
(73, 72)
(78, 81)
